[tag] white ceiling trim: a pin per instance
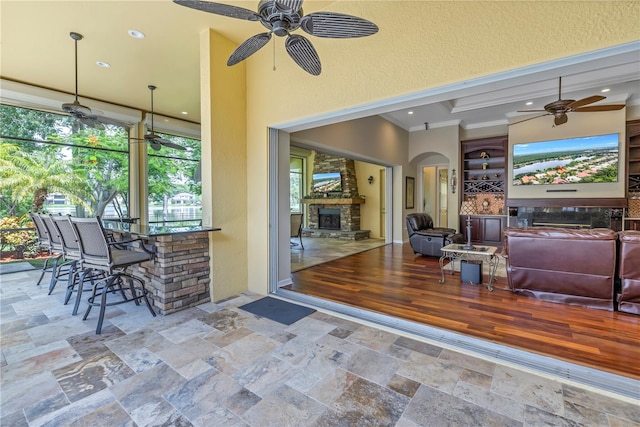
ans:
(616, 55)
(23, 95)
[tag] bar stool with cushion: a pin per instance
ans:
(71, 252)
(101, 256)
(61, 267)
(43, 243)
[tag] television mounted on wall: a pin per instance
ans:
(581, 160)
(328, 182)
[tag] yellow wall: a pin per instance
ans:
(421, 45)
(370, 210)
(224, 164)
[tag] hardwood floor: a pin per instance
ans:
(392, 281)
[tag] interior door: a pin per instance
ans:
(443, 197)
(383, 202)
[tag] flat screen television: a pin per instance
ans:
(329, 182)
(582, 160)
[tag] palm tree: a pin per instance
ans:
(28, 174)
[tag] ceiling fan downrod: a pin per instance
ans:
(76, 37)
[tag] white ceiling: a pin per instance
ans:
(168, 58)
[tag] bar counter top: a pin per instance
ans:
(146, 230)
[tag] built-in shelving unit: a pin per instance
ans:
(632, 214)
(484, 165)
(484, 188)
(633, 161)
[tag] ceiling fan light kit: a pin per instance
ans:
(281, 17)
(559, 109)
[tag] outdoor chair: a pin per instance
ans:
(60, 267)
(296, 228)
(100, 255)
(43, 243)
(72, 254)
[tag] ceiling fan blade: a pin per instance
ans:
(288, 6)
(530, 118)
(248, 48)
(220, 9)
(170, 144)
(531, 111)
(337, 25)
(91, 122)
(561, 119)
(302, 52)
(594, 108)
(585, 101)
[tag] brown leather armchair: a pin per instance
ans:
(562, 265)
(425, 239)
(629, 272)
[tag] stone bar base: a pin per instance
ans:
(179, 277)
(336, 234)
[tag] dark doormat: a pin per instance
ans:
(15, 267)
(277, 310)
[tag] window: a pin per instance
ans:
(175, 191)
(296, 183)
(49, 162)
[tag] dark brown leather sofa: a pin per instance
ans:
(629, 272)
(425, 239)
(563, 265)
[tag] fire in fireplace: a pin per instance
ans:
(329, 218)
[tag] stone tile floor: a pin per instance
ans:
(216, 365)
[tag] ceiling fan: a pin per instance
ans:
(281, 17)
(80, 112)
(154, 140)
(561, 107)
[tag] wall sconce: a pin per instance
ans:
(454, 181)
(370, 179)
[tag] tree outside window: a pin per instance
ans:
(175, 191)
(296, 183)
(46, 157)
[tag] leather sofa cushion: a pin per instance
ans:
(420, 221)
(572, 266)
(559, 249)
(432, 233)
(629, 270)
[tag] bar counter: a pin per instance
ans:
(179, 276)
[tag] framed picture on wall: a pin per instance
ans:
(409, 193)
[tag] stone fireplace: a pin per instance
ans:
(335, 215)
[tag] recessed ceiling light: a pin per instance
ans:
(605, 90)
(529, 103)
(136, 34)
(103, 64)
(410, 112)
(185, 113)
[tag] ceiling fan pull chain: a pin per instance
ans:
(274, 54)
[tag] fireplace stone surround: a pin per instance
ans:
(344, 207)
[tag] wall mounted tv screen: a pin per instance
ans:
(326, 182)
(591, 159)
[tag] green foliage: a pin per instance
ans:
(19, 239)
(90, 167)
